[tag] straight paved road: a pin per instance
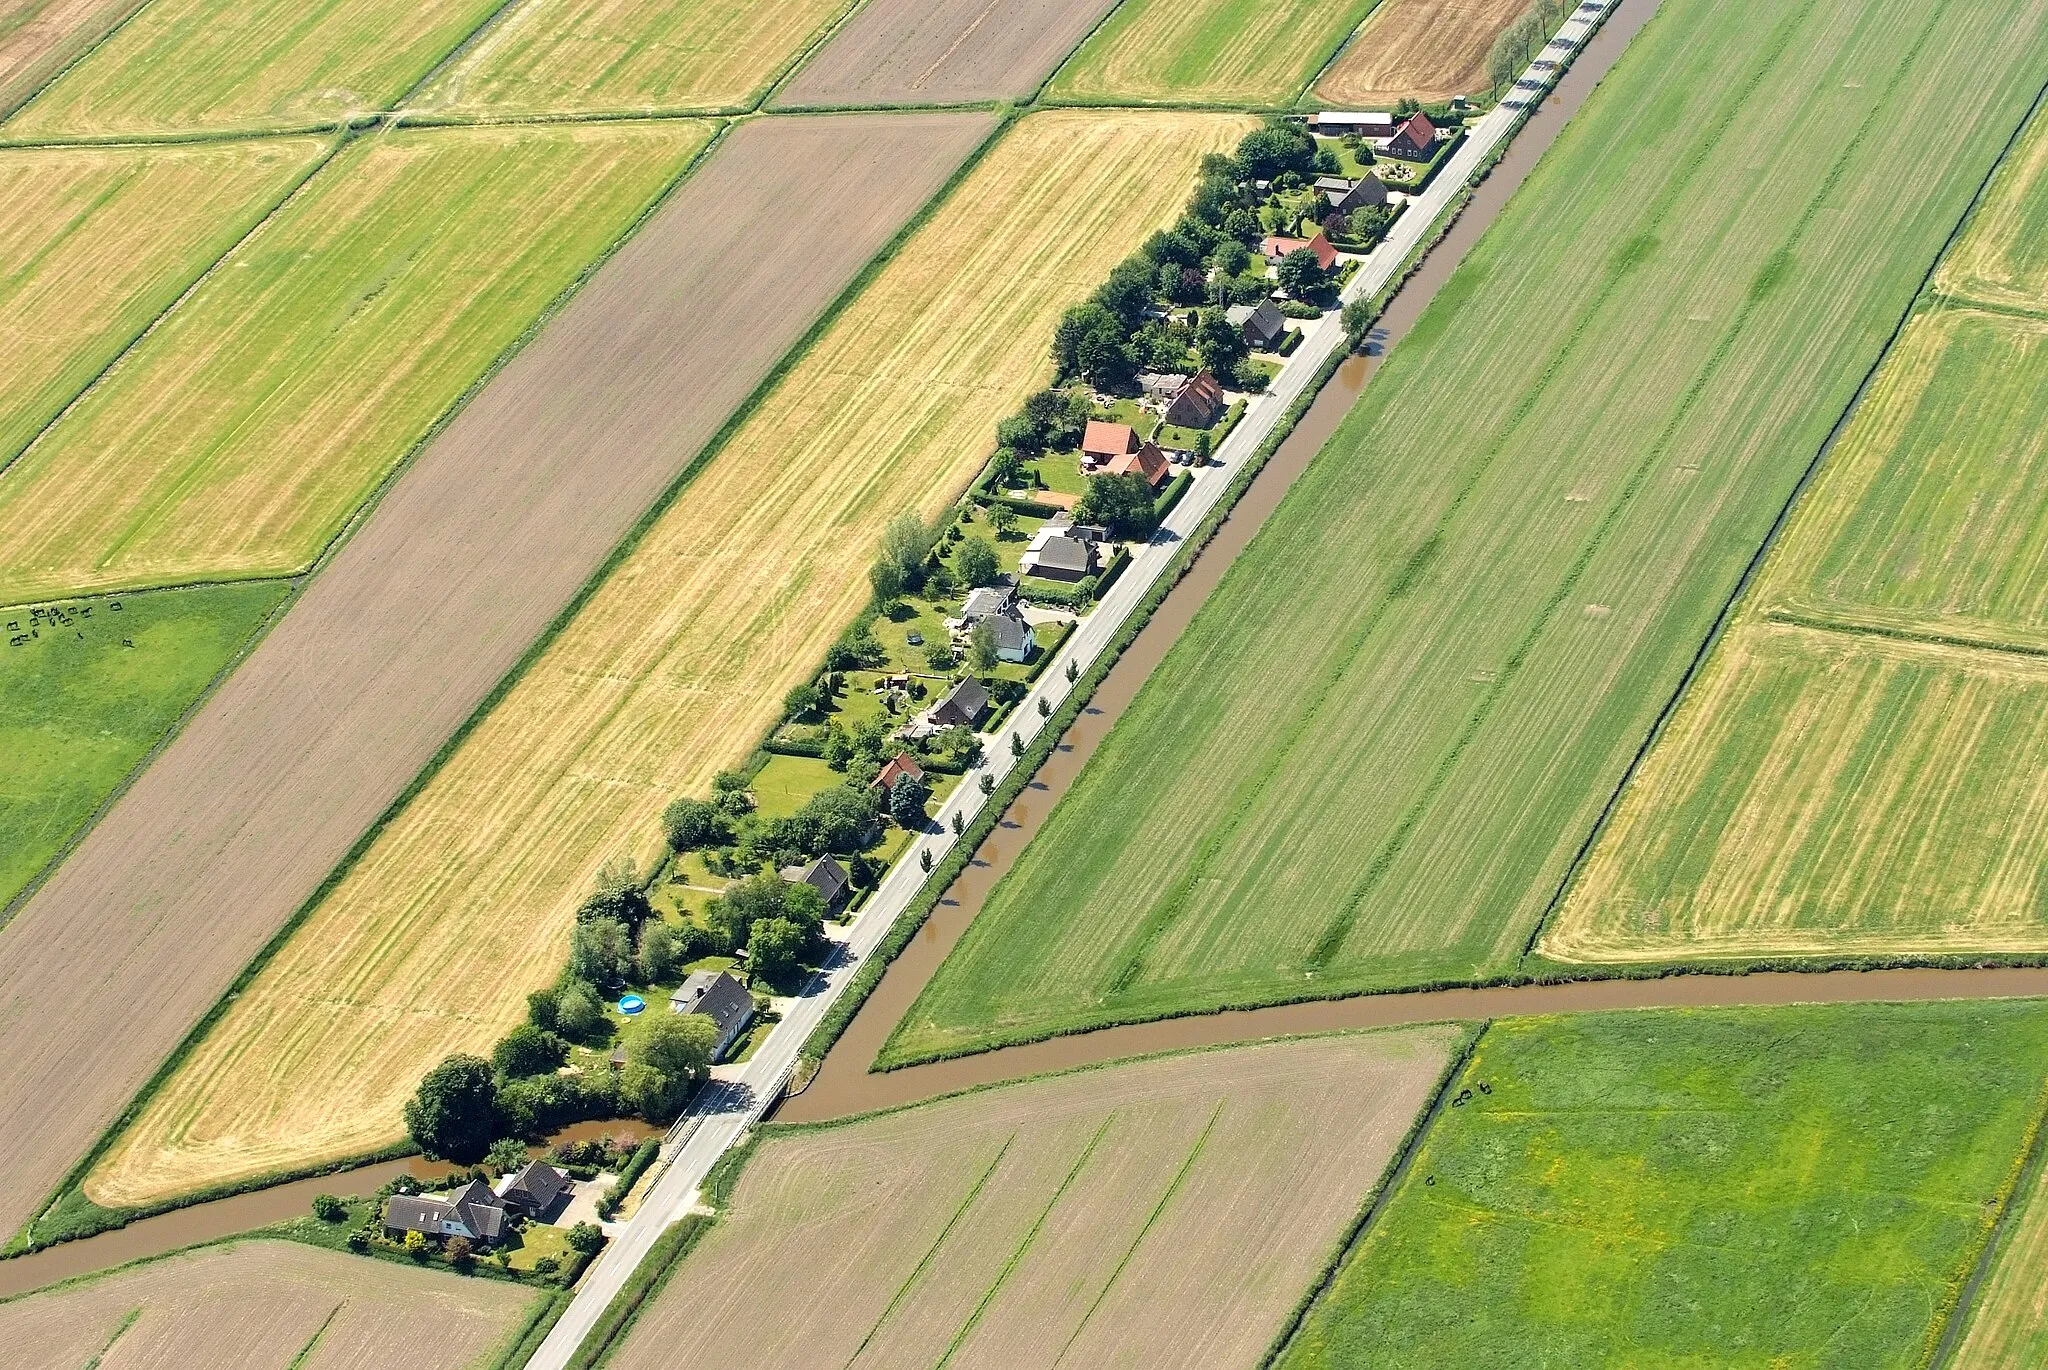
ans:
(481, 542)
(724, 1111)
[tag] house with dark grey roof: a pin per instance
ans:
(1368, 192)
(472, 1212)
(963, 706)
(534, 1190)
(1056, 553)
(1014, 639)
(826, 876)
(719, 997)
(986, 600)
(1263, 327)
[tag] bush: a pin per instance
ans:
(540, 1104)
(416, 1245)
(1123, 504)
(975, 563)
(660, 953)
(803, 701)
(601, 951)
(527, 1050)
(329, 1209)
(460, 1254)
(547, 1265)
(506, 1155)
(359, 1241)
(690, 824)
(776, 949)
(578, 1014)
(1247, 376)
(907, 800)
(586, 1239)
(453, 1115)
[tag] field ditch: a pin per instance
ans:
(476, 547)
(1168, 1212)
(1456, 589)
(670, 670)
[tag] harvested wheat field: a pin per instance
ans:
(188, 66)
(1859, 768)
(935, 52)
(1165, 1212)
(2007, 1321)
(1418, 49)
(37, 37)
(1225, 51)
(266, 1305)
(635, 56)
(475, 548)
(671, 670)
(96, 242)
(244, 432)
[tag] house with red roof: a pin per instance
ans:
(1275, 248)
(1147, 461)
(1415, 140)
(1101, 441)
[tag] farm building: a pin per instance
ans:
(1415, 140)
(719, 997)
(1102, 440)
(1263, 326)
(472, 1212)
(1147, 461)
(1339, 123)
(1197, 404)
(1161, 386)
(827, 876)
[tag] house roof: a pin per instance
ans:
(1326, 256)
(1275, 246)
(1335, 185)
(963, 703)
(1062, 553)
(1161, 383)
(1266, 320)
(415, 1213)
(1108, 439)
(988, 599)
(898, 766)
(824, 875)
(479, 1210)
(1148, 461)
(717, 996)
(1352, 116)
(1202, 390)
(1012, 633)
(537, 1184)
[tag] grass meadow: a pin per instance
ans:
(89, 691)
(1371, 758)
(1857, 770)
(1166, 1212)
(674, 667)
(2007, 1321)
(1750, 1187)
(1212, 51)
(1422, 49)
(221, 66)
(237, 439)
(96, 242)
(641, 56)
(2003, 260)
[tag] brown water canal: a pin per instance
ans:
(844, 1085)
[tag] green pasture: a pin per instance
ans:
(187, 66)
(1789, 1187)
(1244, 52)
(1371, 758)
(86, 696)
(1931, 515)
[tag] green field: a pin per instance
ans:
(1758, 1187)
(1242, 52)
(2004, 259)
(96, 242)
(85, 697)
(240, 435)
(585, 56)
(183, 66)
(1373, 755)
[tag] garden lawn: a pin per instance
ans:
(1240, 52)
(673, 668)
(1372, 757)
(96, 242)
(1791, 1187)
(189, 66)
(240, 436)
(638, 56)
(87, 696)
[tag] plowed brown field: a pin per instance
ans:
(475, 549)
(936, 52)
(265, 1305)
(1424, 49)
(37, 37)
(1160, 1213)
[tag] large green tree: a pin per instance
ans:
(453, 1115)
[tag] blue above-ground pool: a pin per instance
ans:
(630, 1004)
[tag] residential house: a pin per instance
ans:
(1148, 461)
(1161, 386)
(719, 997)
(1197, 403)
(1273, 249)
(827, 876)
(472, 1212)
(962, 706)
(1263, 327)
(1101, 441)
(1013, 636)
(1414, 141)
(1346, 196)
(987, 600)
(902, 766)
(534, 1189)
(1059, 551)
(1337, 123)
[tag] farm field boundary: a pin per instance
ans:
(1213, 52)
(1452, 677)
(297, 753)
(1426, 50)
